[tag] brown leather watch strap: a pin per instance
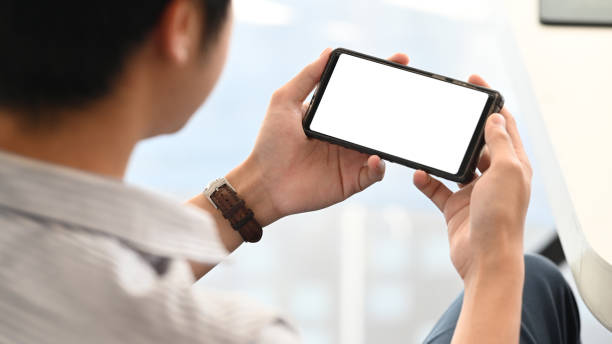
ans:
(235, 211)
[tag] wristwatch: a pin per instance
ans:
(223, 197)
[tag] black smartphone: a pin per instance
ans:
(404, 115)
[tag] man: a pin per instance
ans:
(86, 258)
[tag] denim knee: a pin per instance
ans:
(541, 270)
(550, 313)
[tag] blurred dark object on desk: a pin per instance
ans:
(554, 251)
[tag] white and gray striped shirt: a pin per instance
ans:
(86, 259)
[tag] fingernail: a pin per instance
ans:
(498, 119)
(381, 164)
(324, 51)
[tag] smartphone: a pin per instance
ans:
(404, 115)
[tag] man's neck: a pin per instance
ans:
(99, 140)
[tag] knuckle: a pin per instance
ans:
(510, 120)
(506, 113)
(527, 187)
(278, 95)
(529, 171)
(511, 165)
(497, 133)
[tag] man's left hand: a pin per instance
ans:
(288, 173)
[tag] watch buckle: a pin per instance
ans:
(214, 187)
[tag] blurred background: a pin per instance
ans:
(375, 268)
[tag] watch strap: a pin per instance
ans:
(234, 209)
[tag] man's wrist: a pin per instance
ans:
(491, 310)
(502, 264)
(247, 180)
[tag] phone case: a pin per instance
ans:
(466, 172)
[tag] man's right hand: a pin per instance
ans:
(486, 217)
(486, 221)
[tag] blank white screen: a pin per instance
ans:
(405, 114)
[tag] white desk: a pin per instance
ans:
(571, 78)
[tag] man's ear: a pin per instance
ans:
(180, 31)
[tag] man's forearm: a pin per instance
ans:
(491, 311)
(230, 238)
(247, 182)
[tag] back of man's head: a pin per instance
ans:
(60, 54)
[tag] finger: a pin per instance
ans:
(478, 80)
(305, 107)
(515, 136)
(498, 140)
(510, 122)
(437, 192)
(400, 58)
(372, 171)
(485, 160)
(302, 84)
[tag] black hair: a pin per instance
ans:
(66, 53)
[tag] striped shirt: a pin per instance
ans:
(86, 259)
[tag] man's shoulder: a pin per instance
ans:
(66, 281)
(65, 252)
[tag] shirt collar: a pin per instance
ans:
(148, 221)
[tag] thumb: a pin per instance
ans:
(498, 140)
(371, 172)
(301, 85)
